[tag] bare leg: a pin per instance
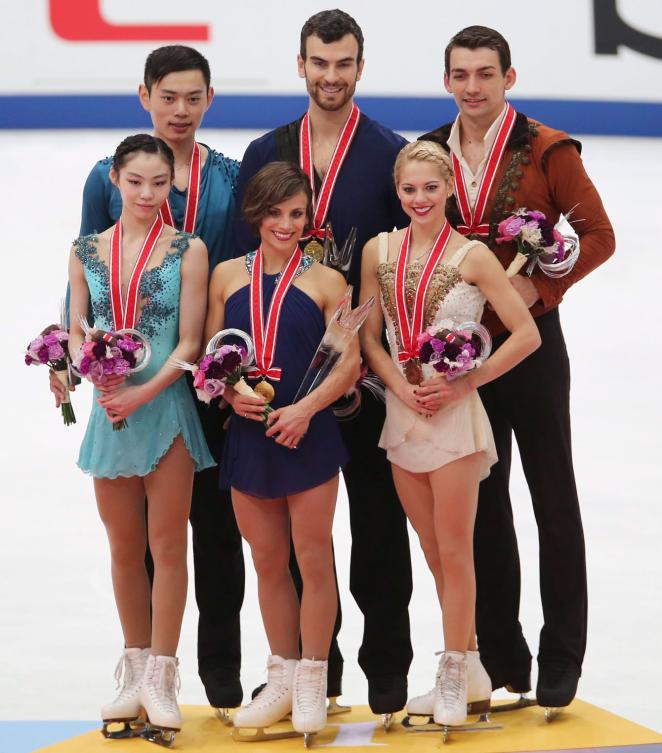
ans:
(169, 490)
(312, 520)
(417, 500)
(455, 489)
(265, 524)
(121, 504)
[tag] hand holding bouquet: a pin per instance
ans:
(107, 354)
(452, 350)
(538, 242)
(50, 347)
(222, 366)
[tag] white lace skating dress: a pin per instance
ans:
(412, 441)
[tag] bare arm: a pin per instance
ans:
(192, 307)
(482, 268)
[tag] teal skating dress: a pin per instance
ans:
(151, 430)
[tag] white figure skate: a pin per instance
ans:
(309, 698)
(126, 708)
(270, 705)
(158, 697)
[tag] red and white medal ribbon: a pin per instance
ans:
(192, 195)
(473, 220)
(410, 329)
(321, 202)
(124, 312)
(265, 335)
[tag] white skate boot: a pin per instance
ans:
(450, 696)
(158, 697)
(309, 698)
(125, 709)
(270, 705)
(479, 691)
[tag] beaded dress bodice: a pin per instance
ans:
(158, 295)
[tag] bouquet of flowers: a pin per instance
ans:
(50, 347)
(453, 350)
(344, 324)
(104, 354)
(538, 242)
(222, 365)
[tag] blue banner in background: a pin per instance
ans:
(262, 112)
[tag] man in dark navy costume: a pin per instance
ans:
(331, 62)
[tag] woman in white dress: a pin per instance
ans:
(437, 434)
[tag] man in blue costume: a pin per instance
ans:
(176, 92)
(336, 138)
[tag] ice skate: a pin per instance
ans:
(387, 695)
(479, 691)
(121, 718)
(309, 698)
(271, 704)
(158, 697)
(223, 690)
(557, 687)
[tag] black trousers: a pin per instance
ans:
(380, 566)
(531, 401)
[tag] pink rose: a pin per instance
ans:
(214, 387)
(199, 379)
(509, 228)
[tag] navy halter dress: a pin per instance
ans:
(252, 462)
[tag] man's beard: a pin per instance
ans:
(345, 94)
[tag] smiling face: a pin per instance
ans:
(477, 83)
(177, 104)
(331, 71)
(144, 181)
(423, 190)
(285, 223)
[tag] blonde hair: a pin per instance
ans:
(423, 151)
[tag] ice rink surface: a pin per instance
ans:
(59, 634)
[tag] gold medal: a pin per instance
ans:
(413, 371)
(315, 249)
(266, 390)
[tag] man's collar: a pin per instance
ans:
(454, 139)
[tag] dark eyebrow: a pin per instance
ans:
(484, 68)
(318, 59)
(188, 94)
(138, 175)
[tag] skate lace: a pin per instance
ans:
(132, 671)
(451, 687)
(309, 687)
(164, 686)
(273, 690)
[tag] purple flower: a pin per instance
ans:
(96, 372)
(439, 346)
(214, 387)
(121, 367)
(510, 228)
(50, 339)
(536, 215)
(55, 351)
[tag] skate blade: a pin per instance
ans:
(260, 734)
(551, 712)
(308, 738)
(387, 721)
(523, 702)
(483, 724)
(163, 736)
(333, 707)
(223, 715)
(130, 728)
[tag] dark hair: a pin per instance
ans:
(474, 37)
(331, 26)
(143, 142)
(273, 184)
(172, 59)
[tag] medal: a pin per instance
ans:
(124, 312)
(192, 195)
(473, 220)
(413, 371)
(321, 203)
(410, 329)
(315, 249)
(265, 334)
(266, 390)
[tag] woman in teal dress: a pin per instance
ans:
(156, 454)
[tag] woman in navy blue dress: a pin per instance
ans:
(284, 477)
